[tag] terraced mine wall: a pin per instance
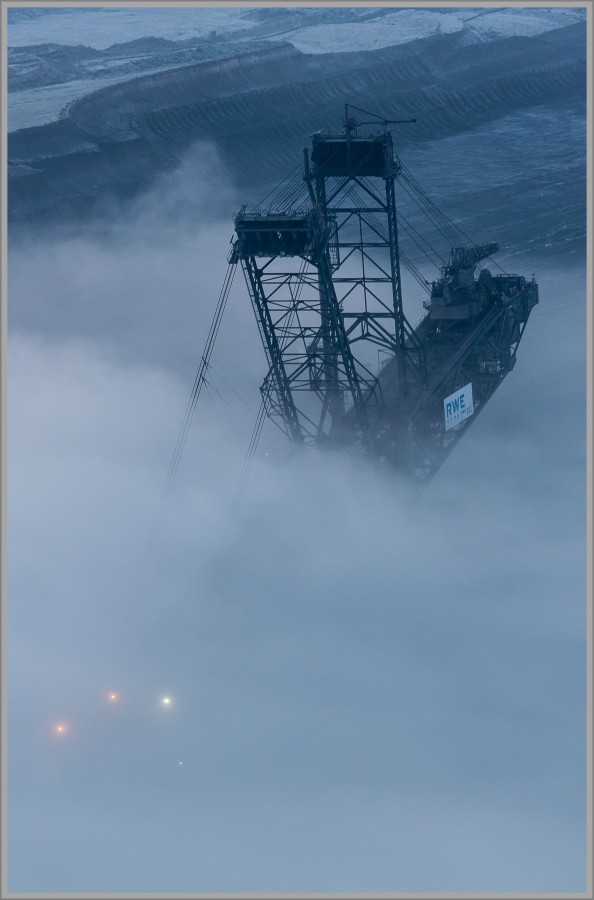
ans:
(256, 109)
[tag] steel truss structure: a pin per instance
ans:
(322, 266)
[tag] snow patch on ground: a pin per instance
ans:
(386, 31)
(412, 24)
(100, 28)
(524, 22)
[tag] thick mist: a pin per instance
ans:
(373, 690)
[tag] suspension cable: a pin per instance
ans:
(278, 186)
(200, 378)
(227, 385)
(443, 226)
(249, 457)
(409, 228)
(432, 210)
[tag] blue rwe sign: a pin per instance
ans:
(458, 406)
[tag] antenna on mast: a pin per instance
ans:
(351, 123)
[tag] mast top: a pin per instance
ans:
(351, 123)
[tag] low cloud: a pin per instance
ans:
(371, 692)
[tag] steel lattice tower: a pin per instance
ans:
(322, 265)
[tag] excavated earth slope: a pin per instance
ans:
(259, 108)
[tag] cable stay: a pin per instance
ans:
(200, 377)
(437, 215)
(230, 411)
(290, 195)
(279, 188)
(229, 387)
(416, 274)
(452, 232)
(249, 458)
(445, 228)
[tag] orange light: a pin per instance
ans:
(60, 729)
(113, 697)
